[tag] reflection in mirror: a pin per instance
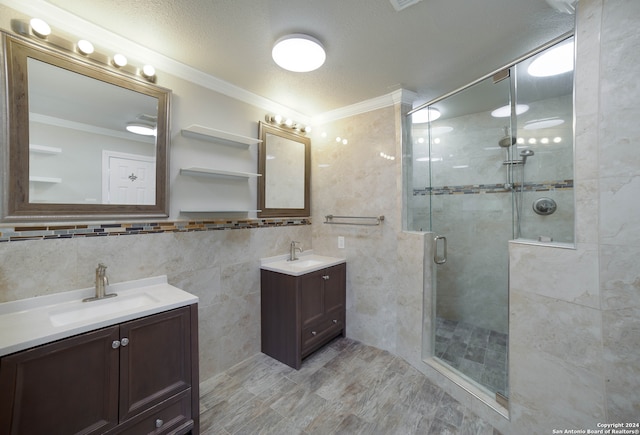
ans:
(76, 158)
(90, 153)
(284, 162)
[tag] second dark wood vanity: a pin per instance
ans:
(302, 313)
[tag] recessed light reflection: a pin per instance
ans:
(543, 123)
(505, 111)
(460, 166)
(557, 139)
(427, 159)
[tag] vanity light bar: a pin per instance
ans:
(280, 121)
(38, 29)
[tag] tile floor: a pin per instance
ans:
(344, 388)
(479, 353)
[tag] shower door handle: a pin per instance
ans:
(443, 259)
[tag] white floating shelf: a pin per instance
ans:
(207, 172)
(45, 179)
(219, 136)
(43, 149)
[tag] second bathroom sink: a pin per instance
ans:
(308, 262)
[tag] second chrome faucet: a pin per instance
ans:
(295, 246)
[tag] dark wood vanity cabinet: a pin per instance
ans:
(137, 377)
(300, 314)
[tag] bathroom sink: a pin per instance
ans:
(30, 322)
(306, 263)
(83, 311)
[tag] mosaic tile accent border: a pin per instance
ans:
(53, 231)
(473, 189)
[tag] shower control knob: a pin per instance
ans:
(544, 206)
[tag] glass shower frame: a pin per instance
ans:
(514, 180)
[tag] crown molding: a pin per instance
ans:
(400, 96)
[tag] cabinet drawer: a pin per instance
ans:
(320, 332)
(171, 416)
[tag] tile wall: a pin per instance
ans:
(220, 266)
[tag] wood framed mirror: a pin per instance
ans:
(284, 160)
(69, 155)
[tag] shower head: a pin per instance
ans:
(507, 140)
(525, 154)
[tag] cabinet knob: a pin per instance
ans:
(115, 344)
(314, 333)
(335, 321)
(124, 341)
(159, 423)
(325, 277)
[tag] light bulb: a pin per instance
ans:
(119, 60)
(40, 27)
(85, 47)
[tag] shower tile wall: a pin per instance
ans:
(474, 210)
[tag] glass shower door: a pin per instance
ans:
(470, 206)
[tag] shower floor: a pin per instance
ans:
(479, 353)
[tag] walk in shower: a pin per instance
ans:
(486, 164)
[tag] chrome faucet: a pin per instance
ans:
(102, 281)
(295, 246)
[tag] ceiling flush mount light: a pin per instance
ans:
(141, 129)
(40, 28)
(425, 115)
(85, 47)
(557, 60)
(298, 53)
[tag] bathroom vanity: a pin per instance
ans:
(302, 306)
(128, 370)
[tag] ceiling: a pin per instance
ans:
(430, 48)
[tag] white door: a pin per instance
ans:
(128, 179)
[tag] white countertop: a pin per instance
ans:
(31, 322)
(307, 262)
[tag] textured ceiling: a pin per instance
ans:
(430, 48)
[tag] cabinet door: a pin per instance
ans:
(156, 360)
(311, 298)
(66, 387)
(334, 288)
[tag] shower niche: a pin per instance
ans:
(484, 161)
